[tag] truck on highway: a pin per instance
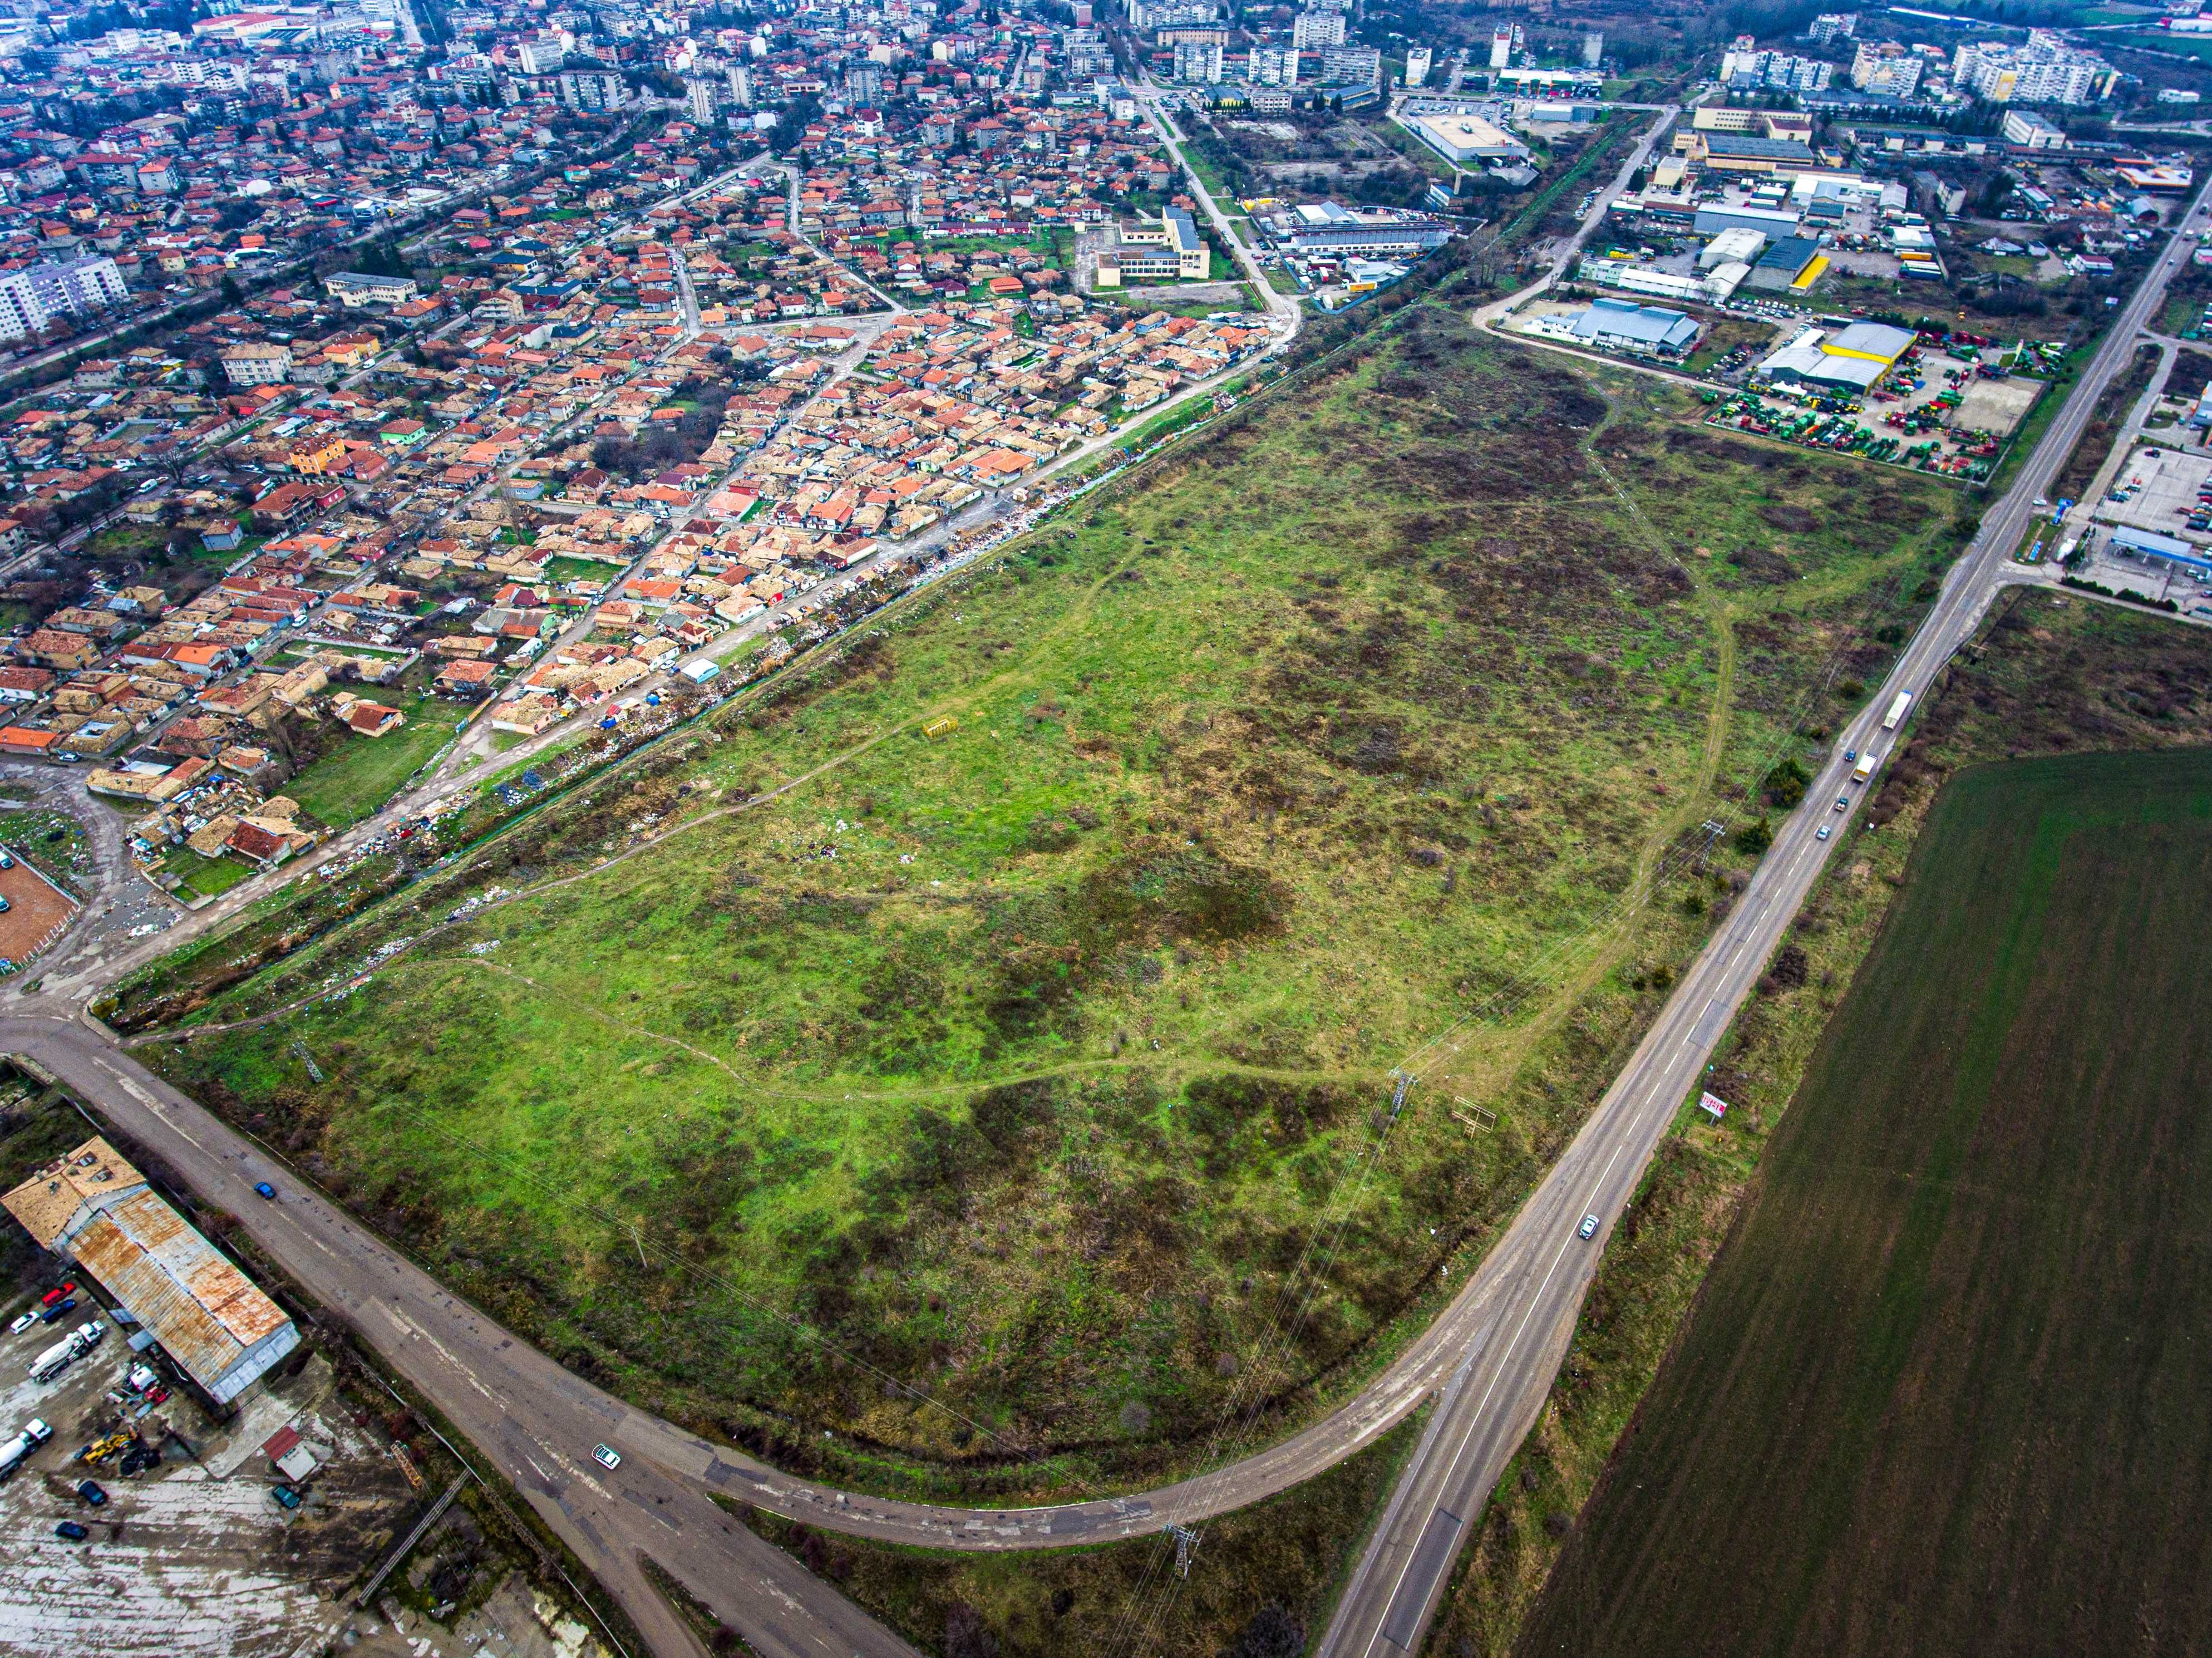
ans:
(1897, 708)
(1864, 770)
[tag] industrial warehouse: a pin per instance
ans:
(220, 1330)
(1852, 359)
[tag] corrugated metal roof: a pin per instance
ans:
(204, 1312)
(48, 1200)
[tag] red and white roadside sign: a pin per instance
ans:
(1713, 1106)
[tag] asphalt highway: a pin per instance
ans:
(1494, 1395)
(1492, 1352)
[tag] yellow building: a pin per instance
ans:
(318, 452)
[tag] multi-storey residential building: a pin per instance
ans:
(1746, 67)
(1884, 66)
(1830, 27)
(1197, 62)
(262, 364)
(1167, 13)
(593, 90)
(540, 56)
(1418, 60)
(2044, 70)
(1351, 66)
(29, 300)
(1272, 66)
(1315, 29)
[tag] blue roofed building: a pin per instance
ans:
(1645, 330)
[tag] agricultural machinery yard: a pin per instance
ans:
(1947, 407)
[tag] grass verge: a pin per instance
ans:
(1268, 1573)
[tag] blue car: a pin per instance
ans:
(70, 1532)
(91, 1493)
(1589, 1228)
(263, 1188)
(55, 1311)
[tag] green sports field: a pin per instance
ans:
(1945, 1389)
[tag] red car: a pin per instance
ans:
(53, 1295)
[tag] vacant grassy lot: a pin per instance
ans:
(1943, 1391)
(354, 775)
(2111, 413)
(1021, 1061)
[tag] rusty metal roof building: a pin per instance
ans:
(48, 1201)
(207, 1316)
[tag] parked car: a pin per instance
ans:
(23, 1322)
(263, 1188)
(6, 862)
(70, 1532)
(53, 1295)
(285, 1495)
(90, 1491)
(55, 1311)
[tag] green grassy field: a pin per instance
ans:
(1943, 1391)
(205, 877)
(356, 775)
(1021, 1061)
(54, 842)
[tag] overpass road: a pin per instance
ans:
(1492, 1352)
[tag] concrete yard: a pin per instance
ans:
(1996, 406)
(2161, 489)
(196, 1559)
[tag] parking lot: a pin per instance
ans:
(193, 1556)
(35, 907)
(2156, 489)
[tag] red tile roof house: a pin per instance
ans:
(15, 740)
(465, 678)
(261, 846)
(373, 719)
(24, 684)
